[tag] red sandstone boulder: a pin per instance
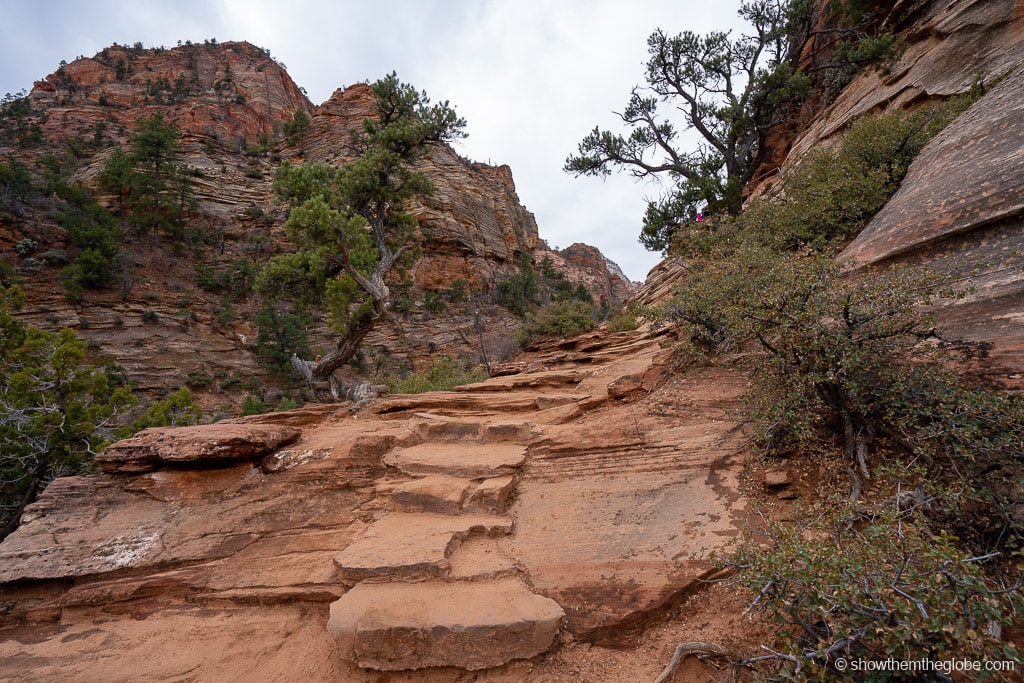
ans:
(203, 444)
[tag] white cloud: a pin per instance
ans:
(532, 77)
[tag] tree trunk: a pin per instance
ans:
(30, 496)
(319, 372)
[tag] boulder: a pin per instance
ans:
(194, 446)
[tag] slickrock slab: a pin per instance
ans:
(613, 512)
(412, 545)
(548, 378)
(400, 626)
(98, 524)
(467, 460)
(153, 447)
(435, 493)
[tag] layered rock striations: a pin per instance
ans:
(429, 534)
(958, 209)
(232, 104)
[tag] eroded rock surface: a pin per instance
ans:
(960, 211)
(216, 443)
(426, 538)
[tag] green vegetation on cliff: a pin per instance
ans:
(57, 411)
(917, 562)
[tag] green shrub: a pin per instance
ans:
(873, 583)
(70, 280)
(54, 257)
(26, 246)
(238, 279)
(225, 312)
(624, 320)
(281, 334)
(521, 290)
(563, 319)
(459, 291)
(295, 130)
(179, 409)
(443, 374)
(31, 266)
(287, 404)
(253, 405)
(433, 301)
(199, 380)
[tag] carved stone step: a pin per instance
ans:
(403, 626)
(404, 546)
(446, 495)
(466, 460)
(431, 427)
(434, 493)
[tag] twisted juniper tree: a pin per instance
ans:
(351, 225)
(56, 411)
(731, 91)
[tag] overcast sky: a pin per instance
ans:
(531, 77)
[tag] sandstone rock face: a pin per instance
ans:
(960, 210)
(465, 536)
(231, 103)
(225, 91)
(199, 445)
(948, 46)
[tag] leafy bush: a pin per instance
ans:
(26, 246)
(624, 320)
(295, 130)
(237, 279)
(521, 290)
(287, 403)
(178, 409)
(54, 257)
(31, 266)
(874, 584)
(231, 383)
(443, 374)
(56, 410)
(253, 405)
(563, 319)
(16, 186)
(199, 380)
(459, 291)
(94, 232)
(433, 301)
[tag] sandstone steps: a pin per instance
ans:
(412, 546)
(472, 461)
(432, 585)
(472, 625)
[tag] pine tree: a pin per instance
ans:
(351, 225)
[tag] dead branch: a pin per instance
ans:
(684, 650)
